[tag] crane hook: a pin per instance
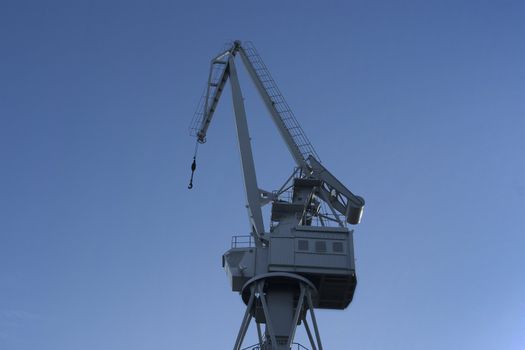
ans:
(193, 167)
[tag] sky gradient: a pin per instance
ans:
(418, 106)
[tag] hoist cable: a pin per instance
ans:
(193, 165)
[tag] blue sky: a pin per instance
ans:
(416, 105)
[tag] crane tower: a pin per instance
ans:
(305, 259)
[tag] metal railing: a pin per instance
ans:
(245, 241)
(295, 346)
(325, 217)
(286, 115)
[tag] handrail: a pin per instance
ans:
(244, 241)
(295, 346)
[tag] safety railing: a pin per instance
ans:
(245, 241)
(324, 218)
(286, 115)
(295, 346)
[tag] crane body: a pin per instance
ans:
(305, 259)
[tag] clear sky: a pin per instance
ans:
(418, 106)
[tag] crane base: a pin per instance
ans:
(280, 301)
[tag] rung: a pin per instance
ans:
(279, 103)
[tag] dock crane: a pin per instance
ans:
(305, 259)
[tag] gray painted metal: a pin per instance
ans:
(302, 262)
(245, 149)
(309, 333)
(285, 300)
(270, 105)
(245, 323)
(339, 196)
(217, 78)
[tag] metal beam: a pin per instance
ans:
(309, 333)
(314, 321)
(210, 109)
(259, 335)
(285, 134)
(269, 325)
(353, 208)
(248, 167)
(298, 309)
(245, 322)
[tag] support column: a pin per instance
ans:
(284, 299)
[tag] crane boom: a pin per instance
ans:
(217, 79)
(282, 115)
(250, 180)
(338, 198)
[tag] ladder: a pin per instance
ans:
(217, 78)
(279, 103)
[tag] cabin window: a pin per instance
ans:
(303, 245)
(337, 247)
(320, 246)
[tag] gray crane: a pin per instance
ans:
(305, 259)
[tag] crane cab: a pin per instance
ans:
(296, 244)
(324, 255)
